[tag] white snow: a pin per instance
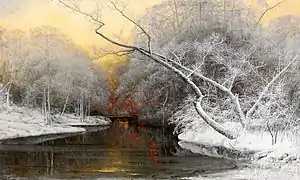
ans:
(278, 161)
(258, 142)
(73, 120)
(270, 162)
(24, 122)
(198, 137)
(285, 172)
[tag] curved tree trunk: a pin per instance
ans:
(212, 123)
(216, 126)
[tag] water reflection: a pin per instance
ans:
(119, 151)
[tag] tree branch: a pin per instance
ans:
(264, 92)
(75, 8)
(136, 24)
(267, 10)
(117, 53)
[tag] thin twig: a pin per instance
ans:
(75, 8)
(267, 10)
(135, 23)
(117, 53)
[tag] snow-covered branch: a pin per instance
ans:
(234, 98)
(266, 89)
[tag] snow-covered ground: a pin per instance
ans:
(266, 160)
(278, 161)
(204, 140)
(23, 122)
(73, 120)
(288, 172)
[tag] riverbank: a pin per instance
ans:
(17, 122)
(291, 172)
(264, 159)
(252, 145)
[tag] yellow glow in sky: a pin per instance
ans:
(45, 12)
(286, 8)
(34, 13)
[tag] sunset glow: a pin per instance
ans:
(31, 13)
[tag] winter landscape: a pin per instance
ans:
(224, 75)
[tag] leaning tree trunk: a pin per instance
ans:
(212, 123)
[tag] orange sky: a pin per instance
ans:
(43, 12)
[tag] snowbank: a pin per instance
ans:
(23, 122)
(271, 162)
(253, 173)
(253, 145)
(72, 120)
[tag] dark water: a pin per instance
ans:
(119, 152)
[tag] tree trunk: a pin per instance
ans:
(44, 105)
(7, 96)
(65, 105)
(48, 103)
(216, 126)
(81, 107)
(206, 118)
(164, 107)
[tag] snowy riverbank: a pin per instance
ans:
(290, 172)
(23, 122)
(255, 145)
(266, 161)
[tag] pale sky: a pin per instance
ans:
(25, 14)
(9, 6)
(9, 3)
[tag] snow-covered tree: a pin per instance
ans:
(48, 71)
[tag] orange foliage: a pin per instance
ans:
(113, 99)
(133, 109)
(153, 150)
(115, 106)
